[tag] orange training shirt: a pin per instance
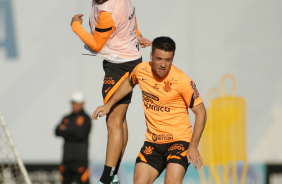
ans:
(166, 103)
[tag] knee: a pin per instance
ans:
(170, 181)
(114, 124)
(173, 180)
(138, 179)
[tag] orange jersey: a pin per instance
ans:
(166, 103)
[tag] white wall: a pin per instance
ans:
(242, 37)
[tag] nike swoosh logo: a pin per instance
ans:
(173, 156)
(107, 89)
(143, 79)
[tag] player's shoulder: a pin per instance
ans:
(180, 74)
(145, 63)
(67, 115)
(144, 66)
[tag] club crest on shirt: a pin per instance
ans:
(195, 90)
(167, 86)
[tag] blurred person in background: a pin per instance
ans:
(75, 129)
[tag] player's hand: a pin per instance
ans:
(100, 111)
(77, 17)
(194, 156)
(144, 42)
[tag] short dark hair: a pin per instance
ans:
(163, 43)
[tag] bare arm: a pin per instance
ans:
(125, 88)
(200, 121)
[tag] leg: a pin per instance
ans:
(149, 163)
(176, 162)
(115, 121)
(81, 173)
(125, 138)
(144, 174)
(115, 146)
(65, 176)
(174, 173)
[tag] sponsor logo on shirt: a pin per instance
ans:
(138, 46)
(132, 14)
(149, 96)
(162, 137)
(148, 101)
(195, 90)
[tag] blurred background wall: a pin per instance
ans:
(41, 63)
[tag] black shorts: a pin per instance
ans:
(115, 73)
(159, 155)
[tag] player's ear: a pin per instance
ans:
(151, 56)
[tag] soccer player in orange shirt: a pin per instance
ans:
(167, 94)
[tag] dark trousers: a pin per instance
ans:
(74, 172)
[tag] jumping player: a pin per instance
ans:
(115, 37)
(167, 94)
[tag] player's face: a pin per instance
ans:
(76, 107)
(161, 62)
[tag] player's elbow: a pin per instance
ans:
(200, 112)
(203, 113)
(95, 47)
